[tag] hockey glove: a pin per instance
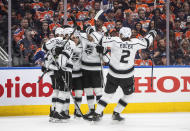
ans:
(100, 49)
(57, 50)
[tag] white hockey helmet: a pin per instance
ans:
(59, 31)
(68, 31)
(126, 32)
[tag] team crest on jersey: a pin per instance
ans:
(89, 49)
(75, 56)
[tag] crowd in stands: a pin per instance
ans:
(34, 22)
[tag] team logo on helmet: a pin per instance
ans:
(89, 49)
(75, 56)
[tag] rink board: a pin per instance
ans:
(20, 94)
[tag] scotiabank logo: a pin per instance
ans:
(35, 89)
(13, 88)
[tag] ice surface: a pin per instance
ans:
(133, 122)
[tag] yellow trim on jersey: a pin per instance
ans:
(27, 110)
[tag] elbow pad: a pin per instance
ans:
(148, 39)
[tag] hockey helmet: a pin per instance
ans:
(68, 31)
(59, 31)
(126, 32)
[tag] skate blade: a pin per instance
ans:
(60, 121)
(118, 121)
(87, 119)
(78, 118)
(51, 120)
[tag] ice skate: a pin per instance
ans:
(89, 115)
(77, 114)
(59, 118)
(51, 115)
(65, 114)
(97, 117)
(116, 116)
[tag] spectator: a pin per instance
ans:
(187, 31)
(51, 35)
(107, 4)
(181, 16)
(185, 50)
(139, 29)
(128, 22)
(19, 33)
(159, 22)
(54, 23)
(163, 60)
(29, 46)
(46, 6)
(161, 48)
(37, 14)
(119, 15)
(134, 33)
(14, 21)
(132, 9)
(179, 60)
(97, 6)
(178, 30)
(186, 9)
(144, 59)
(109, 19)
(143, 19)
(29, 16)
(44, 31)
(118, 25)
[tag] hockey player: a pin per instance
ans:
(61, 52)
(44, 59)
(121, 69)
(69, 67)
(77, 73)
(91, 69)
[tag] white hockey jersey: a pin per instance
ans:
(90, 57)
(64, 59)
(67, 52)
(76, 60)
(53, 42)
(123, 55)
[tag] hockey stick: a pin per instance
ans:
(66, 85)
(3, 55)
(42, 76)
(101, 61)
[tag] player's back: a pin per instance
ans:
(123, 55)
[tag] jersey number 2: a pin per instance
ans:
(126, 54)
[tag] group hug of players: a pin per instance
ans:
(74, 60)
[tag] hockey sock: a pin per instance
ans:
(60, 101)
(122, 103)
(102, 103)
(78, 97)
(54, 98)
(67, 101)
(98, 92)
(90, 97)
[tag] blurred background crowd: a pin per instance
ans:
(34, 22)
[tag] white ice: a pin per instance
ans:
(133, 122)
